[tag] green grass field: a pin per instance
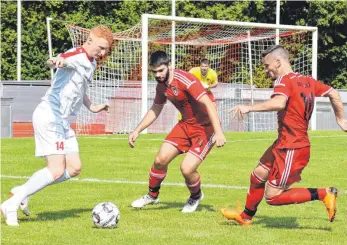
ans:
(61, 214)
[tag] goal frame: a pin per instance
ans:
(144, 43)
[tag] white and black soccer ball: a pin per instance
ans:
(105, 215)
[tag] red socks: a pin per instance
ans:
(254, 196)
(155, 179)
(195, 191)
(297, 195)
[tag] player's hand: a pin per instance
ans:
(239, 111)
(98, 108)
(343, 124)
(57, 62)
(219, 140)
(132, 138)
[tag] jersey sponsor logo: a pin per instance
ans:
(174, 90)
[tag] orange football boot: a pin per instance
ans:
(330, 202)
(235, 215)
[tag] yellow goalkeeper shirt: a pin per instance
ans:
(209, 79)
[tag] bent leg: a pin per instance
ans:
(255, 192)
(158, 170)
(189, 171)
(157, 174)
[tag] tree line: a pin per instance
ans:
(330, 18)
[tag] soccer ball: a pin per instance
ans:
(105, 215)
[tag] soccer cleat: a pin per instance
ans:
(143, 201)
(10, 213)
(330, 202)
(192, 204)
(234, 215)
(24, 205)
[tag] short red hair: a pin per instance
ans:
(103, 32)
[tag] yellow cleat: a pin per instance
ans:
(330, 202)
(234, 215)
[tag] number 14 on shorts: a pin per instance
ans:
(60, 145)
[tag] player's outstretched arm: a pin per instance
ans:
(219, 138)
(337, 105)
(147, 120)
(56, 62)
(94, 108)
(276, 103)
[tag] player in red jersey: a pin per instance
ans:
(195, 134)
(282, 163)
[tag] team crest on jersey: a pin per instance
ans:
(174, 90)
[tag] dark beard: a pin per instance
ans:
(166, 77)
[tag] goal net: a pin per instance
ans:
(233, 49)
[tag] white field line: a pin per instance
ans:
(93, 180)
(246, 140)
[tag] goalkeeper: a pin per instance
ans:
(207, 76)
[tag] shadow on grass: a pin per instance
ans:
(57, 215)
(174, 205)
(279, 223)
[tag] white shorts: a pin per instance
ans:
(53, 135)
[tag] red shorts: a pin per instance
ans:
(285, 165)
(194, 138)
(211, 96)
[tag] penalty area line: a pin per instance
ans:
(94, 180)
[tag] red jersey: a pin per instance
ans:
(184, 91)
(293, 120)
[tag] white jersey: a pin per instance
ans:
(65, 96)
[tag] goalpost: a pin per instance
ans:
(233, 48)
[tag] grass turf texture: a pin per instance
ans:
(61, 214)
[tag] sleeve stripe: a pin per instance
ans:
(184, 80)
(280, 84)
(326, 92)
(278, 80)
(159, 104)
(272, 95)
(201, 95)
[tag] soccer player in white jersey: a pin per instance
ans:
(54, 138)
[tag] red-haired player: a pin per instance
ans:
(54, 138)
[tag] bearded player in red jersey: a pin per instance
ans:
(195, 134)
(283, 162)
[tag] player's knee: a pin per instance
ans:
(257, 181)
(186, 171)
(272, 195)
(161, 161)
(271, 200)
(75, 171)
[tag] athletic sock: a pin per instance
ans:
(155, 179)
(195, 189)
(62, 178)
(254, 196)
(37, 182)
(298, 195)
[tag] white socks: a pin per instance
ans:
(37, 182)
(62, 178)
